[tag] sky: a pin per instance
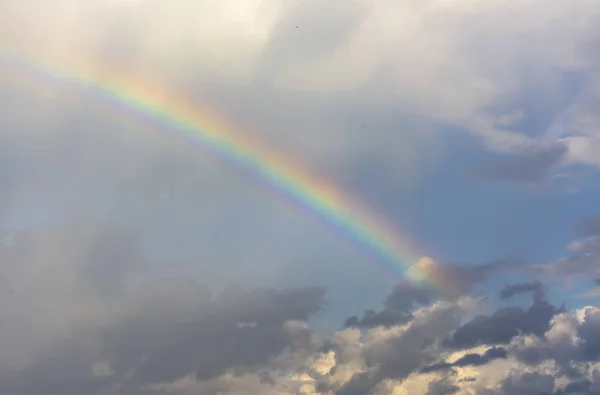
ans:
(133, 263)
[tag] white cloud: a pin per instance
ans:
(451, 62)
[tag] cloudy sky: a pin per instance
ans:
(132, 263)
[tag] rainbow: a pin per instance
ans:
(162, 111)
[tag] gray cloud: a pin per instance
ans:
(397, 308)
(455, 280)
(153, 342)
(73, 308)
(513, 289)
(504, 324)
(576, 387)
(470, 360)
(571, 348)
(402, 355)
(589, 332)
(442, 387)
(529, 166)
(159, 336)
(529, 384)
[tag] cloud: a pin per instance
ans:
(490, 370)
(576, 387)
(437, 66)
(470, 360)
(513, 289)
(504, 324)
(398, 356)
(147, 346)
(529, 166)
(100, 333)
(88, 326)
(397, 308)
(109, 320)
(528, 383)
(454, 280)
(442, 387)
(447, 281)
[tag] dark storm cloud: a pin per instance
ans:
(458, 280)
(504, 324)
(397, 308)
(534, 383)
(589, 332)
(570, 357)
(583, 386)
(400, 356)
(530, 166)
(576, 387)
(158, 340)
(471, 359)
(442, 387)
(211, 341)
(152, 332)
(406, 297)
(162, 330)
(533, 356)
(528, 384)
(510, 290)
